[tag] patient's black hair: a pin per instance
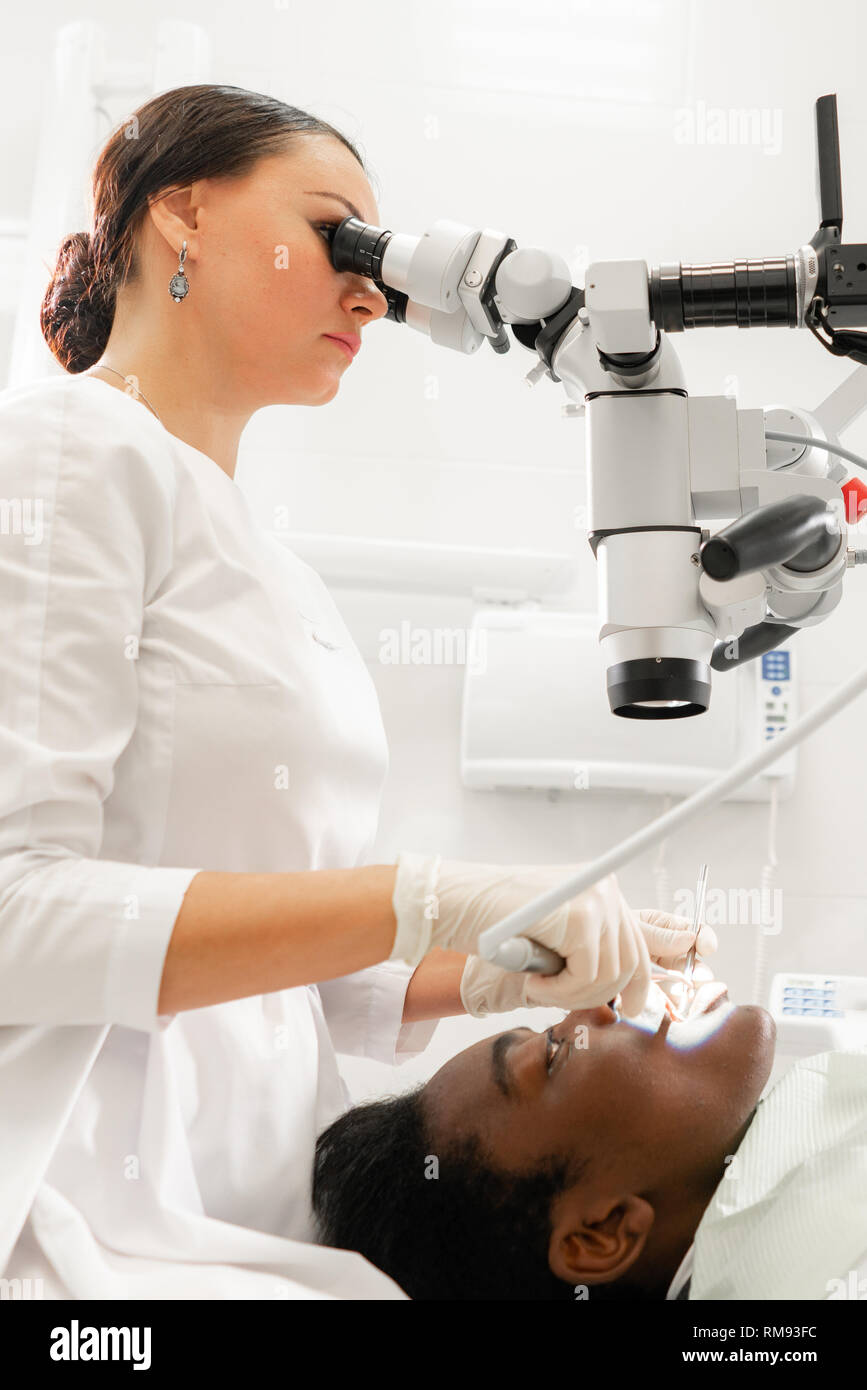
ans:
(454, 1228)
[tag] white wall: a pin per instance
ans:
(558, 124)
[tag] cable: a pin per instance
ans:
(661, 875)
(769, 873)
(814, 443)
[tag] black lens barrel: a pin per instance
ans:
(743, 294)
(658, 688)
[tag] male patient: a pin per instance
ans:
(579, 1162)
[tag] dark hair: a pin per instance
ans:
(473, 1231)
(181, 135)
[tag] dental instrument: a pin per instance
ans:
(659, 972)
(689, 968)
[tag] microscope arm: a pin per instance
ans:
(660, 462)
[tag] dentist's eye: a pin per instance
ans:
(331, 225)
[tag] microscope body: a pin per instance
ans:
(660, 464)
(675, 601)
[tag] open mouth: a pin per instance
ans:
(721, 998)
(711, 993)
(659, 1007)
(700, 1024)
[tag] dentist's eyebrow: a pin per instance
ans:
(318, 193)
(499, 1070)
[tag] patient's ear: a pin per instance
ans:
(599, 1243)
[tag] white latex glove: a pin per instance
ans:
(669, 938)
(486, 989)
(707, 990)
(449, 903)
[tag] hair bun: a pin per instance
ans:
(75, 317)
(74, 255)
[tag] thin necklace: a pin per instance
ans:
(103, 368)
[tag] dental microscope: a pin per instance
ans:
(676, 602)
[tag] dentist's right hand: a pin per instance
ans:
(449, 903)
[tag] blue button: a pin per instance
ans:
(775, 666)
(776, 690)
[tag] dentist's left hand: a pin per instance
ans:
(451, 903)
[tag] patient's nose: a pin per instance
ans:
(599, 1017)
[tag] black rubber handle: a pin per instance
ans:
(794, 532)
(828, 165)
(754, 641)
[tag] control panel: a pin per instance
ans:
(819, 1013)
(776, 710)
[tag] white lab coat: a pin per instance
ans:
(178, 693)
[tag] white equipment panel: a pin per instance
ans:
(819, 1013)
(536, 715)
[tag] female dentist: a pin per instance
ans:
(192, 751)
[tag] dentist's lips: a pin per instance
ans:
(349, 343)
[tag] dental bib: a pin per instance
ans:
(789, 1219)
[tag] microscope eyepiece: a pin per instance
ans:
(359, 247)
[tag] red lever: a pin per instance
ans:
(855, 493)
